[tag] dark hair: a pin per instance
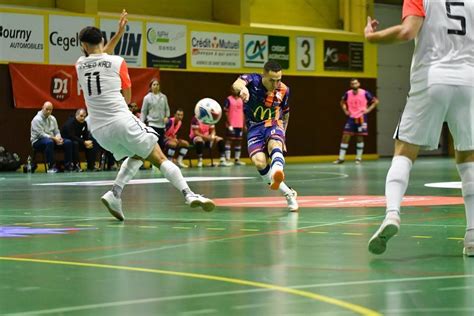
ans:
(179, 110)
(90, 35)
(151, 82)
(354, 79)
(272, 65)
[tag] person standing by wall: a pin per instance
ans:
(155, 110)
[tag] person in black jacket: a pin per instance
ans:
(76, 130)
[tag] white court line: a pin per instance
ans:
(191, 220)
(140, 181)
(455, 288)
(223, 293)
(223, 239)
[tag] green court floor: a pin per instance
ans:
(62, 254)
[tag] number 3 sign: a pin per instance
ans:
(305, 53)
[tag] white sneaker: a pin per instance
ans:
(197, 200)
(113, 204)
(181, 164)
(388, 229)
(469, 243)
(291, 200)
(199, 164)
(225, 164)
(239, 163)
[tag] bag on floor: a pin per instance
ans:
(8, 161)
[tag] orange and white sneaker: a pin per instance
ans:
(277, 177)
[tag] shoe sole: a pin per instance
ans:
(468, 251)
(115, 214)
(206, 206)
(278, 178)
(378, 243)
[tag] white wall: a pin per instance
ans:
(393, 81)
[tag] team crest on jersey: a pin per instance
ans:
(61, 83)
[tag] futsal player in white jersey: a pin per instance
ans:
(442, 89)
(107, 91)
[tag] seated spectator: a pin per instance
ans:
(133, 107)
(205, 135)
(172, 142)
(45, 136)
(76, 130)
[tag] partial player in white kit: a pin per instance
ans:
(442, 90)
(107, 91)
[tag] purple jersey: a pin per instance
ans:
(264, 108)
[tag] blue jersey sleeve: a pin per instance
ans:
(345, 96)
(369, 97)
(285, 106)
(248, 78)
(226, 104)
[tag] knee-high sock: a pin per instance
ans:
(199, 149)
(466, 171)
(342, 151)
(127, 171)
(173, 174)
(397, 182)
(359, 150)
(278, 161)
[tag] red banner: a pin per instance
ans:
(33, 84)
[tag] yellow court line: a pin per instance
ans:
(313, 232)
(422, 237)
(215, 228)
(353, 234)
(455, 238)
(321, 298)
(181, 227)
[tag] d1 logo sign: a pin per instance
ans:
(61, 85)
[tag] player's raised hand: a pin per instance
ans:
(371, 26)
(244, 94)
(123, 20)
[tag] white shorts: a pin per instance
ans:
(127, 137)
(426, 110)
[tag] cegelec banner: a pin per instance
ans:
(33, 84)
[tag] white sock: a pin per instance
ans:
(397, 182)
(466, 171)
(359, 150)
(127, 171)
(171, 152)
(265, 174)
(173, 174)
(182, 153)
(342, 151)
(237, 151)
(284, 188)
(227, 152)
(278, 161)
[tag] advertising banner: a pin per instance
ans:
(166, 45)
(59, 85)
(63, 38)
(343, 56)
(215, 50)
(130, 46)
(21, 37)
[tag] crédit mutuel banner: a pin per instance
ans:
(21, 37)
(59, 85)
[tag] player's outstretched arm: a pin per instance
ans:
(110, 46)
(404, 32)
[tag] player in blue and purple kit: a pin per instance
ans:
(267, 114)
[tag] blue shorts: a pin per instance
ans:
(356, 126)
(259, 135)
